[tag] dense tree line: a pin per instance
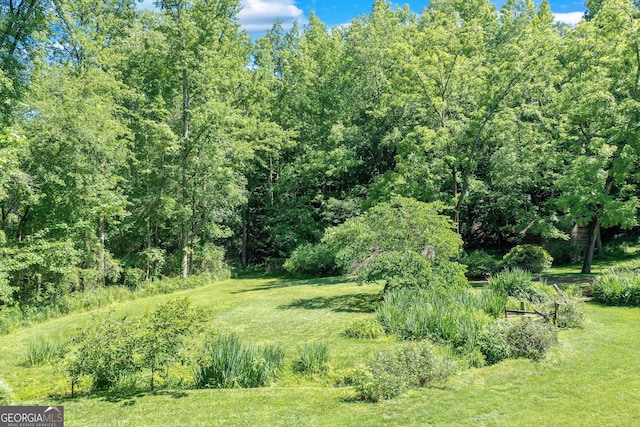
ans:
(146, 143)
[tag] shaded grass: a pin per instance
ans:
(590, 378)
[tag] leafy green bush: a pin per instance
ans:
(365, 329)
(45, 351)
(6, 394)
(493, 341)
(480, 264)
(524, 338)
(312, 259)
(313, 358)
(228, 364)
(389, 374)
(570, 315)
(105, 352)
(620, 287)
(562, 251)
(528, 257)
(530, 339)
(518, 283)
(401, 241)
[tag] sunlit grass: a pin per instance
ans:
(589, 378)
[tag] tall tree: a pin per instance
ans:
(602, 107)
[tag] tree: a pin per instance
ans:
(164, 334)
(601, 99)
(404, 242)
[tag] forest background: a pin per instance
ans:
(141, 144)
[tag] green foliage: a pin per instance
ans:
(530, 339)
(413, 365)
(528, 257)
(228, 364)
(453, 316)
(562, 251)
(492, 301)
(480, 264)
(404, 242)
(493, 341)
(570, 315)
(105, 351)
(313, 358)
(311, 259)
(365, 329)
(618, 287)
(45, 351)
(6, 394)
(524, 338)
(518, 283)
(164, 333)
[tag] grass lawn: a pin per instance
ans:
(590, 378)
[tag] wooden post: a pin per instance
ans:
(523, 305)
(556, 305)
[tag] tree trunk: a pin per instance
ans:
(599, 244)
(588, 258)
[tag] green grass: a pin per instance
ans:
(590, 378)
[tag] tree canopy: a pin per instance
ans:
(142, 143)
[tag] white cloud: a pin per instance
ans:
(571, 18)
(259, 15)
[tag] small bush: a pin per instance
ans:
(313, 358)
(105, 352)
(388, 375)
(312, 259)
(618, 288)
(570, 315)
(493, 341)
(480, 264)
(228, 364)
(562, 251)
(6, 394)
(530, 339)
(41, 352)
(528, 257)
(365, 329)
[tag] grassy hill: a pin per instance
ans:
(590, 378)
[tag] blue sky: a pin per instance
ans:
(258, 16)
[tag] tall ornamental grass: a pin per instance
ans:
(618, 287)
(229, 364)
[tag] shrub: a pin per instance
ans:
(41, 352)
(530, 339)
(313, 358)
(388, 375)
(493, 341)
(6, 394)
(105, 352)
(562, 251)
(570, 315)
(618, 288)
(480, 264)
(528, 257)
(519, 284)
(312, 259)
(228, 364)
(365, 329)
